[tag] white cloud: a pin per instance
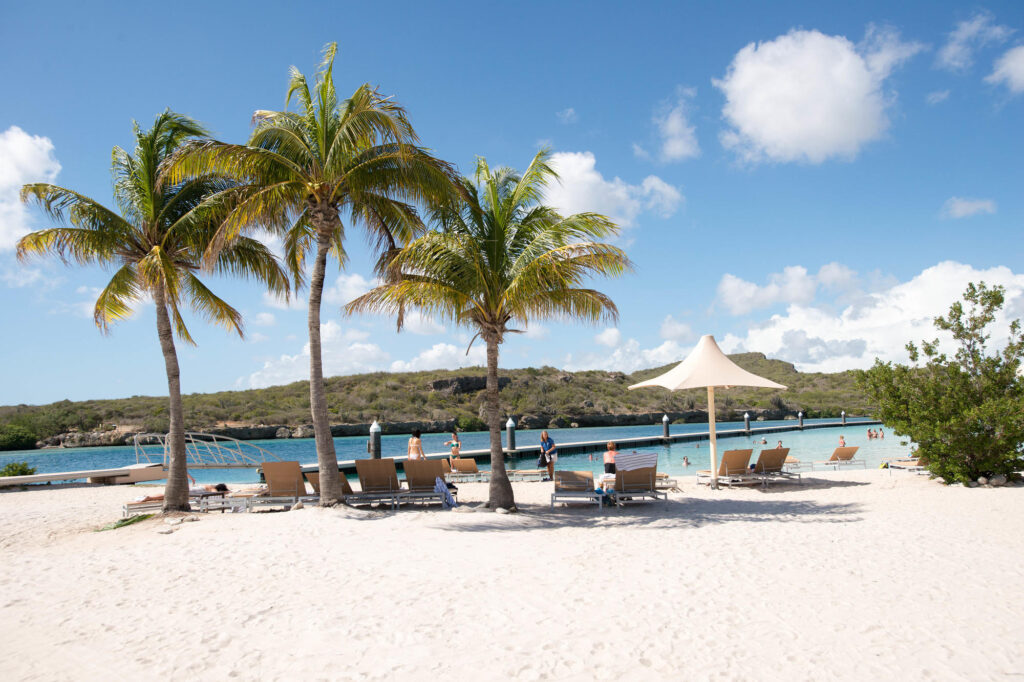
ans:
(342, 352)
(23, 277)
(639, 152)
(678, 137)
(806, 96)
(348, 287)
(86, 306)
(24, 159)
(442, 356)
(584, 189)
(818, 339)
(256, 337)
(936, 97)
(958, 52)
(609, 337)
(264, 320)
(567, 115)
(792, 285)
(959, 207)
(1009, 70)
(628, 357)
(533, 331)
(416, 323)
(674, 330)
(296, 302)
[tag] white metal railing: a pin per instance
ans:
(202, 450)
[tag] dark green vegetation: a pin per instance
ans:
(124, 522)
(362, 398)
(15, 437)
(17, 469)
(966, 413)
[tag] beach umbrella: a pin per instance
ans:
(708, 367)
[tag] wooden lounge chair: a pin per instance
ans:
(378, 480)
(664, 482)
(465, 469)
(635, 485)
(919, 464)
(843, 457)
(732, 470)
(199, 501)
(527, 474)
(793, 465)
(314, 480)
(421, 477)
(285, 486)
(575, 486)
(771, 466)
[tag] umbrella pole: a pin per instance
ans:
(711, 433)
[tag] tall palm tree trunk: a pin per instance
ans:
(176, 493)
(500, 492)
(326, 457)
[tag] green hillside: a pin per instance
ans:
(541, 395)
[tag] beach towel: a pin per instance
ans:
(441, 488)
(635, 460)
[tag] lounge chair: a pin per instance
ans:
(636, 475)
(528, 474)
(843, 457)
(464, 469)
(636, 484)
(378, 480)
(285, 486)
(204, 501)
(421, 477)
(771, 466)
(664, 482)
(919, 464)
(575, 486)
(732, 470)
(792, 465)
(314, 480)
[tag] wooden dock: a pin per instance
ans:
(133, 473)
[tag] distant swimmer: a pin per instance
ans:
(764, 441)
(842, 442)
(779, 446)
(686, 461)
(880, 434)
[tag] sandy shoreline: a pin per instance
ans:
(855, 575)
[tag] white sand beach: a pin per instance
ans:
(853, 576)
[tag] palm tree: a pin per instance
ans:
(300, 171)
(156, 240)
(499, 255)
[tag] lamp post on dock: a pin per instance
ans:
(510, 435)
(664, 426)
(746, 422)
(800, 419)
(843, 416)
(374, 440)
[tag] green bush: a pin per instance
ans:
(17, 469)
(469, 423)
(966, 414)
(14, 437)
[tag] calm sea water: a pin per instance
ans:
(811, 445)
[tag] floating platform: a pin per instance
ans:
(133, 473)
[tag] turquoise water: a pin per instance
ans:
(807, 445)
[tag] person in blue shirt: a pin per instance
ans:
(548, 454)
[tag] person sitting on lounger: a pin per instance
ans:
(415, 449)
(193, 490)
(609, 458)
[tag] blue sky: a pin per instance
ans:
(808, 180)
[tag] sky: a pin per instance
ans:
(813, 181)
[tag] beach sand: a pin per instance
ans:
(853, 576)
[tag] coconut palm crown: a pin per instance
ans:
(499, 258)
(302, 171)
(156, 240)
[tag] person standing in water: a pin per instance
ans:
(548, 454)
(415, 448)
(456, 446)
(779, 446)
(842, 442)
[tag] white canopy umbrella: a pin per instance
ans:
(708, 367)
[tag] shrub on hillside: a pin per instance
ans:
(966, 414)
(14, 437)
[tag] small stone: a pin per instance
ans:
(997, 480)
(165, 531)
(501, 510)
(463, 509)
(191, 519)
(173, 522)
(972, 484)
(982, 480)
(298, 505)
